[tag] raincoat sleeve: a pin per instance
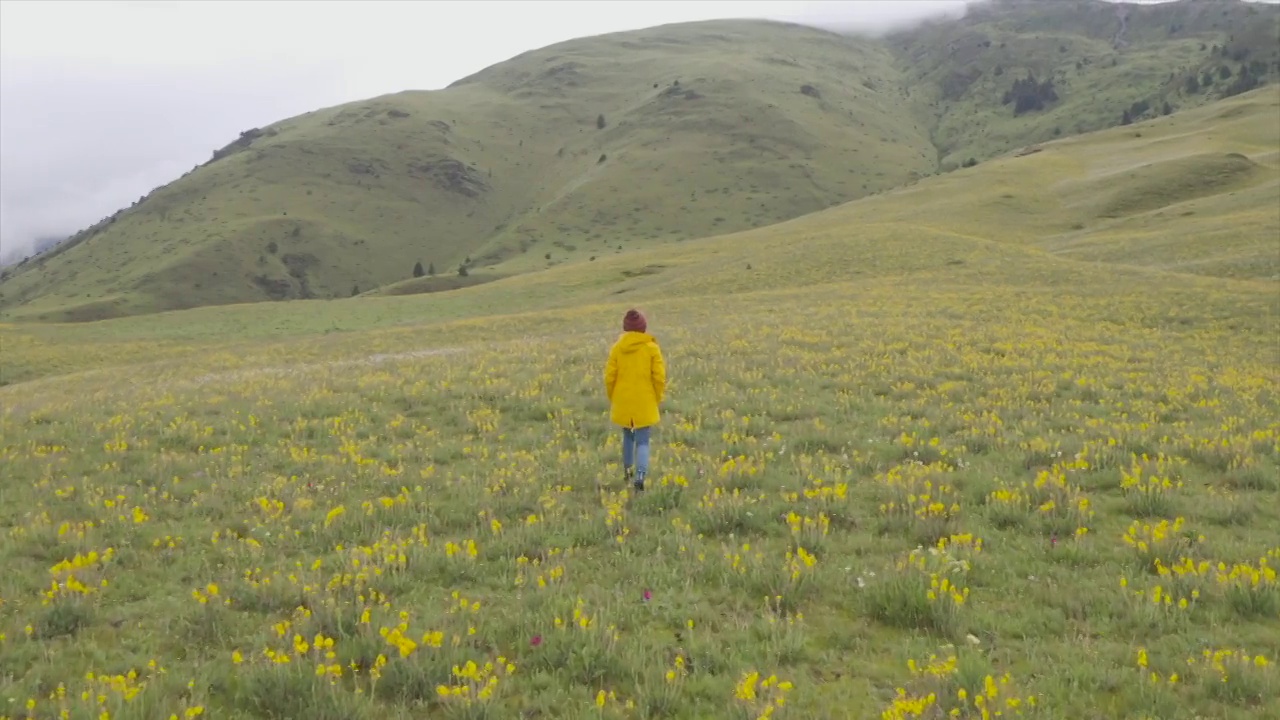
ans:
(658, 373)
(611, 373)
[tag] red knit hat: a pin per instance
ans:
(634, 321)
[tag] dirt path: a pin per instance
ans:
(148, 373)
(135, 375)
(300, 368)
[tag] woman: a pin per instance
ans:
(635, 379)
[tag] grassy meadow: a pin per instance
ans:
(925, 455)
(1002, 441)
(1064, 495)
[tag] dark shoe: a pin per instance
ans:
(628, 475)
(639, 484)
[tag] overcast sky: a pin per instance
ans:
(102, 101)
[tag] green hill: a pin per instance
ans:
(1016, 72)
(614, 144)
(707, 128)
(1185, 201)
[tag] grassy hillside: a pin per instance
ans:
(605, 146)
(431, 284)
(1194, 192)
(383, 489)
(1189, 196)
(1093, 65)
(707, 128)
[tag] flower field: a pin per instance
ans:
(895, 502)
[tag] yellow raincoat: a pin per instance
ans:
(635, 378)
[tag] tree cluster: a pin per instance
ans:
(1029, 94)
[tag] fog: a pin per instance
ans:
(101, 102)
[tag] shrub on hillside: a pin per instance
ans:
(1244, 82)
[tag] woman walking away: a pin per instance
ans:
(635, 379)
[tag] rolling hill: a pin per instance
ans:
(624, 143)
(1016, 72)
(1183, 205)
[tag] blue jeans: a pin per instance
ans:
(635, 449)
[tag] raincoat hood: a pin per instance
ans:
(633, 341)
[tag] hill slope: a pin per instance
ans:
(617, 143)
(707, 128)
(1032, 222)
(1016, 72)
